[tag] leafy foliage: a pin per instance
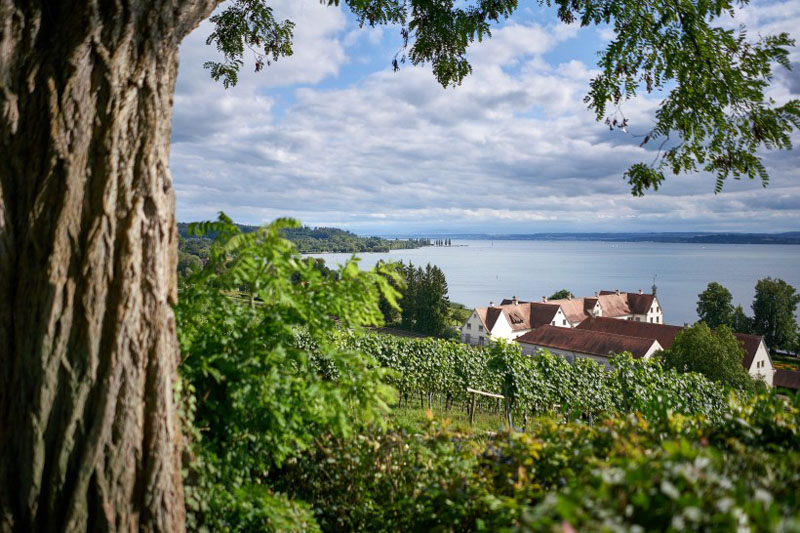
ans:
(563, 294)
(644, 471)
(247, 24)
(714, 306)
(286, 409)
(717, 354)
(774, 308)
(536, 385)
(254, 397)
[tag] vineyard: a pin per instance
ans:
(288, 418)
(437, 373)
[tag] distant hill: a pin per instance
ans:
(792, 237)
(307, 240)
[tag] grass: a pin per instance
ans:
(456, 419)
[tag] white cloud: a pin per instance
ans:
(513, 149)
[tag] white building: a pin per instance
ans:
(513, 317)
(510, 320)
(638, 307)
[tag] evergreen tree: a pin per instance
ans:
(410, 300)
(433, 304)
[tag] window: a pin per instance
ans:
(564, 322)
(480, 328)
(467, 338)
(469, 326)
(480, 341)
(651, 319)
(553, 323)
(638, 319)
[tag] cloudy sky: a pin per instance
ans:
(333, 137)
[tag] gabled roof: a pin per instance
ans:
(587, 342)
(524, 315)
(750, 343)
(788, 379)
(640, 304)
(573, 308)
(663, 333)
(615, 305)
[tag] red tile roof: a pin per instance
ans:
(663, 333)
(572, 307)
(524, 315)
(587, 342)
(788, 379)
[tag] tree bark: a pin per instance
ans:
(89, 434)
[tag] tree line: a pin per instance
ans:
(774, 312)
(193, 250)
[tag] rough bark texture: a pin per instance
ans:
(89, 437)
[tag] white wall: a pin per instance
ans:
(560, 320)
(473, 327)
(761, 367)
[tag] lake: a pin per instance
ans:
(480, 271)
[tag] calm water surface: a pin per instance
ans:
(482, 271)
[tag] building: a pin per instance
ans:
(581, 343)
(510, 320)
(637, 307)
(757, 360)
(514, 317)
(787, 379)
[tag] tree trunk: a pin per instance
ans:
(89, 434)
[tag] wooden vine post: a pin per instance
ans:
(473, 402)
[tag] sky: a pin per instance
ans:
(333, 137)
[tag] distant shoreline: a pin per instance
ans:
(788, 238)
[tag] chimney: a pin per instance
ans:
(641, 291)
(491, 304)
(544, 299)
(617, 291)
(514, 300)
(596, 294)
